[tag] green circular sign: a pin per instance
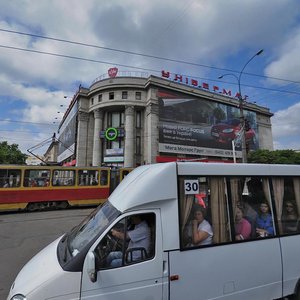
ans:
(111, 133)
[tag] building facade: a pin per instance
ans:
(130, 120)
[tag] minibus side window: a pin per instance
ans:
(286, 195)
(130, 241)
(204, 214)
(252, 209)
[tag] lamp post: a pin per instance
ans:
(241, 104)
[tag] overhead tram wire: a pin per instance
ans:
(25, 122)
(140, 54)
(133, 67)
(290, 86)
(75, 57)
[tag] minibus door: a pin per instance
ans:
(138, 280)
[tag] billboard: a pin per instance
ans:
(198, 126)
(67, 135)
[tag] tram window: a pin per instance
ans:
(103, 177)
(10, 178)
(88, 177)
(63, 178)
(36, 178)
(203, 211)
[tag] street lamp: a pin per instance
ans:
(242, 118)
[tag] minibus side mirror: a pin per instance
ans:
(91, 266)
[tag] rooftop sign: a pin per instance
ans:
(195, 83)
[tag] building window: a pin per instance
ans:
(100, 98)
(115, 119)
(138, 145)
(92, 101)
(124, 95)
(122, 119)
(138, 119)
(138, 95)
(111, 96)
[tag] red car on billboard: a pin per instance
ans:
(227, 130)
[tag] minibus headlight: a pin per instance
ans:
(18, 297)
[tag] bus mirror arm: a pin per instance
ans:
(91, 266)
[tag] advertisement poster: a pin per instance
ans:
(201, 127)
(67, 135)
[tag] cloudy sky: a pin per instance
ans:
(48, 48)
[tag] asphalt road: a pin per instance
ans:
(22, 235)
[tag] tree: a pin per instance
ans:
(10, 154)
(274, 157)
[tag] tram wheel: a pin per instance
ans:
(62, 204)
(31, 207)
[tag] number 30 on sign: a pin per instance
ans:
(191, 187)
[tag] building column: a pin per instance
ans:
(152, 132)
(82, 139)
(97, 147)
(129, 137)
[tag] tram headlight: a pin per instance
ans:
(18, 297)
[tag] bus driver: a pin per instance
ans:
(139, 238)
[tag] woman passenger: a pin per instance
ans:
(242, 226)
(201, 229)
(290, 217)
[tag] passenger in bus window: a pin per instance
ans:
(264, 221)
(242, 226)
(32, 183)
(6, 184)
(249, 212)
(202, 232)
(290, 221)
(103, 177)
(94, 181)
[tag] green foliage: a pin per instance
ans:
(10, 154)
(274, 157)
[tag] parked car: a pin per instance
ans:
(227, 130)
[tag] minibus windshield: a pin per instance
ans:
(91, 227)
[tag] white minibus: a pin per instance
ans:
(176, 231)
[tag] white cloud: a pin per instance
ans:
(287, 63)
(286, 128)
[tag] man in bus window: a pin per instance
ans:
(139, 238)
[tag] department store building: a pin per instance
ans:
(128, 119)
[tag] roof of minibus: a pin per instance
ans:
(223, 169)
(158, 182)
(144, 185)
